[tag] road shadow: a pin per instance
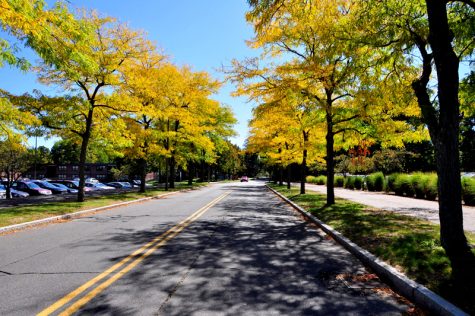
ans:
(248, 255)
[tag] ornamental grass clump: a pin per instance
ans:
(321, 180)
(431, 188)
(375, 182)
(359, 182)
(403, 185)
(350, 183)
(390, 182)
(339, 181)
(468, 191)
(311, 179)
(419, 184)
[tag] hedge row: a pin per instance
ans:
(419, 185)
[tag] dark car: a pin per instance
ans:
(46, 185)
(72, 184)
(31, 188)
(62, 186)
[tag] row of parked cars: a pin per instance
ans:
(25, 188)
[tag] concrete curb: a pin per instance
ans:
(410, 289)
(78, 214)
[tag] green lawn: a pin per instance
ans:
(409, 244)
(25, 213)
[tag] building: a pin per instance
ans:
(100, 171)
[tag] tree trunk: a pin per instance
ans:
(82, 156)
(167, 175)
(190, 173)
(289, 174)
(330, 159)
(281, 175)
(172, 172)
(303, 171)
(447, 148)
(8, 185)
(143, 174)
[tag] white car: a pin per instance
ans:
(99, 186)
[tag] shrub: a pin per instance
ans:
(311, 179)
(339, 181)
(350, 183)
(403, 185)
(359, 182)
(468, 191)
(391, 180)
(375, 181)
(419, 183)
(321, 180)
(431, 187)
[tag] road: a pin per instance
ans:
(428, 210)
(228, 249)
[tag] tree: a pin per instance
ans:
(336, 75)
(440, 33)
(14, 160)
(90, 112)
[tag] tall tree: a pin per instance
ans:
(90, 109)
(440, 33)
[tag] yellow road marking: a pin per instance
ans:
(151, 246)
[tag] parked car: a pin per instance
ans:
(46, 185)
(3, 194)
(72, 184)
(120, 185)
(14, 193)
(99, 186)
(244, 179)
(62, 186)
(31, 188)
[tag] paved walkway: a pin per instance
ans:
(424, 209)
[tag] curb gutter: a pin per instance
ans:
(410, 289)
(78, 214)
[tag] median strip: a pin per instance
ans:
(136, 257)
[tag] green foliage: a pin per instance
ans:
(311, 179)
(350, 183)
(375, 181)
(431, 189)
(359, 181)
(403, 185)
(419, 183)
(339, 181)
(390, 182)
(468, 191)
(321, 180)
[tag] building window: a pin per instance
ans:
(75, 168)
(101, 176)
(61, 176)
(62, 168)
(75, 176)
(100, 168)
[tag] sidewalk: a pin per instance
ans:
(428, 210)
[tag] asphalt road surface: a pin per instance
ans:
(228, 249)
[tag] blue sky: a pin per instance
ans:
(204, 34)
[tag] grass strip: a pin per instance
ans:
(30, 212)
(411, 245)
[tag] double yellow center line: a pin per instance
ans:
(136, 257)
